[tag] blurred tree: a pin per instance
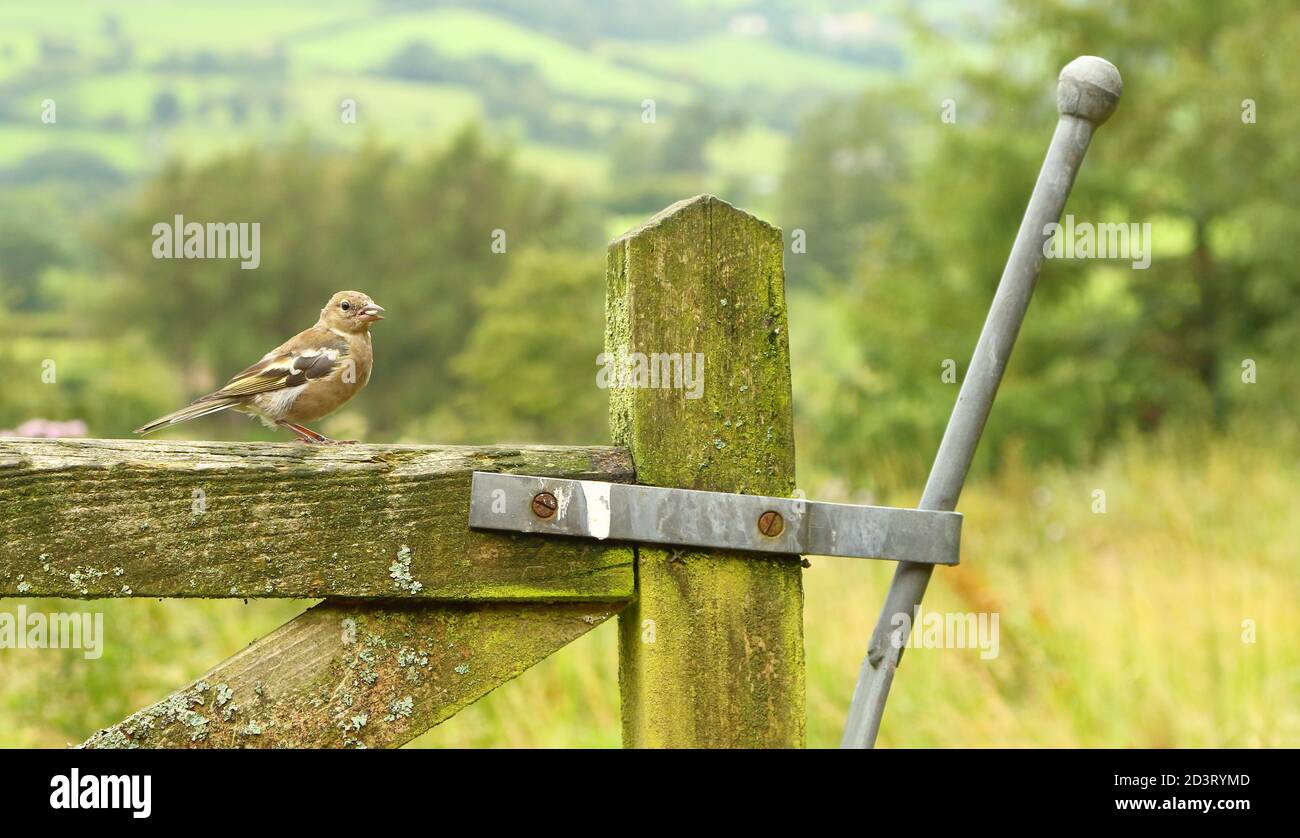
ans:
(166, 107)
(841, 178)
(1106, 346)
(31, 241)
(108, 384)
(416, 235)
(527, 372)
(654, 164)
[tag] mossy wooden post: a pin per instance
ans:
(711, 650)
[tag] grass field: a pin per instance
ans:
(463, 33)
(138, 82)
(1117, 629)
(740, 63)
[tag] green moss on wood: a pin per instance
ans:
(108, 518)
(705, 277)
(354, 675)
(711, 653)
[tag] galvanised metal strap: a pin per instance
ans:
(714, 520)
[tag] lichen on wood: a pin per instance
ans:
(111, 518)
(711, 652)
(357, 675)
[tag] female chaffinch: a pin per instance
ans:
(303, 379)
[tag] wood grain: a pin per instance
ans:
(113, 518)
(357, 675)
(711, 651)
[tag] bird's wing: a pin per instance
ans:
(313, 354)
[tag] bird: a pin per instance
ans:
(303, 379)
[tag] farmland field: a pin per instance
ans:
(136, 83)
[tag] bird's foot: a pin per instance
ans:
(308, 436)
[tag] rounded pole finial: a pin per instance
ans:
(1089, 88)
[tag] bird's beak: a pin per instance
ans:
(370, 313)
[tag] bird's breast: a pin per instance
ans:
(325, 395)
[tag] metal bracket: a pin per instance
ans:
(715, 520)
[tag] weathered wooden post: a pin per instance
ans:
(711, 650)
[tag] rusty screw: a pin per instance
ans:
(544, 504)
(771, 524)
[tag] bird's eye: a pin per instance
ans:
(346, 305)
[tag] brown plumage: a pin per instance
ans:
(303, 379)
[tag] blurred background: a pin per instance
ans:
(901, 140)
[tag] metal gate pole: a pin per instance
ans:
(1088, 91)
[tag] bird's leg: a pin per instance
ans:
(309, 436)
(302, 433)
(306, 435)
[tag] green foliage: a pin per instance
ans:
(923, 239)
(528, 370)
(415, 235)
(32, 241)
(108, 384)
(654, 164)
(842, 176)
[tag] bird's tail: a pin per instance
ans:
(202, 407)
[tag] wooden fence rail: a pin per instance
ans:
(421, 615)
(111, 518)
